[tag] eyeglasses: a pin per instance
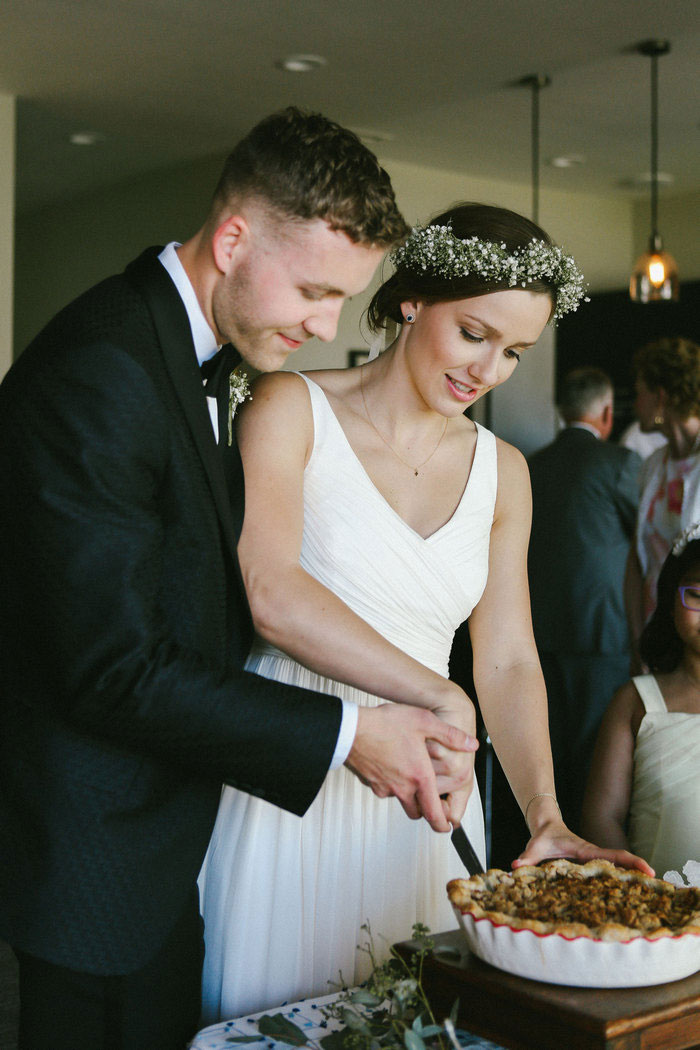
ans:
(690, 597)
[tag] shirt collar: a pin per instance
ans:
(205, 343)
(580, 425)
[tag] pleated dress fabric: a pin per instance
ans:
(665, 806)
(284, 898)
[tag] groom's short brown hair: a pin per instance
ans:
(307, 167)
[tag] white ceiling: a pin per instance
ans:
(167, 81)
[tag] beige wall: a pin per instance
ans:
(7, 212)
(65, 248)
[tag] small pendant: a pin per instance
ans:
(415, 472)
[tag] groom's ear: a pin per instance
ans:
(232, 235)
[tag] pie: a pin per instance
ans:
(595, 900)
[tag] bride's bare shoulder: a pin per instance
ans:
(275, 384)
(278, 392)
(334, 381)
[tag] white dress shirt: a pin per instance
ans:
(206, 346)
(578, 424)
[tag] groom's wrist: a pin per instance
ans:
(346, 734)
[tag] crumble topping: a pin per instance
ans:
(595, 900)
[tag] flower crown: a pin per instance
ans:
(436, 249)
(682, 541)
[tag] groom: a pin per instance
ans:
(125, 623)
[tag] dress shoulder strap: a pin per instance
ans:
(649, 692)
(487, 437)
(327, 429)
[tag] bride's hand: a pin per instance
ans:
(551, 838)
(455, 803)
(555, 840)
(455, 771)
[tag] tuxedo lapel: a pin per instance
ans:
(175, 337)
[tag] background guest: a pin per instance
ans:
(646, 764)
(640, 441)
(668, 401)
(584, 493)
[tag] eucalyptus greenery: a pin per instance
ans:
(389, 1011)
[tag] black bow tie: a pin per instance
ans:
(221, 364)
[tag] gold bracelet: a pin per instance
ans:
(541, 794)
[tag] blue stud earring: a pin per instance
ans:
(410, 318)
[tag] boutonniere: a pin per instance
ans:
(238, 392)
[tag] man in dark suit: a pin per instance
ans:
(125, 623)
(584, 493)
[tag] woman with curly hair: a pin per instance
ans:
(668, 402)
(644, 787)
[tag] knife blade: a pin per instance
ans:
(467, 853)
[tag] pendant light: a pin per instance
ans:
(655, 275)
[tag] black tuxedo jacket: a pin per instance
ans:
(584, 506)
(123, 706)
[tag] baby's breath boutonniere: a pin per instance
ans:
(238, 392)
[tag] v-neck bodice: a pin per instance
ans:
(415, 591)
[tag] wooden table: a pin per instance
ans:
(532, 1015)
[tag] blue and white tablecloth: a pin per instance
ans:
(307, 1015)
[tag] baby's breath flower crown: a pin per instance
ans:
(436, 250)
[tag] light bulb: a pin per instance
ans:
(657, 271)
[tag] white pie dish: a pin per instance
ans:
(581, 961)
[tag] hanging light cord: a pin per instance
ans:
(535, 149)
(535, 82)
(654, 145)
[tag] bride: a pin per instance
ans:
(381, 514)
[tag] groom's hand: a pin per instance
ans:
(390, 755)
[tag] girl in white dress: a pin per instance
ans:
(644, 787)
(378, 513)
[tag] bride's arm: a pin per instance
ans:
(508, 679)
(290, 608)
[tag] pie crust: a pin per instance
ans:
(595, 900)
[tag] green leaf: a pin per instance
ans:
(365, 998)
(334, 1040)
(429, 1031)
(454, 1011)
(413, 1041)
(356, 1022)
(277, 1026)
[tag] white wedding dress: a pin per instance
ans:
(283, 897)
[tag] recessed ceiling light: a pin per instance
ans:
(571, 161)
(86, 138)
(301, 63)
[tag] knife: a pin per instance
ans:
(466, 851)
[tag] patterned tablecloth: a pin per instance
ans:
(307, 1015)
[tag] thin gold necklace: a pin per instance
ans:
(391, 447)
